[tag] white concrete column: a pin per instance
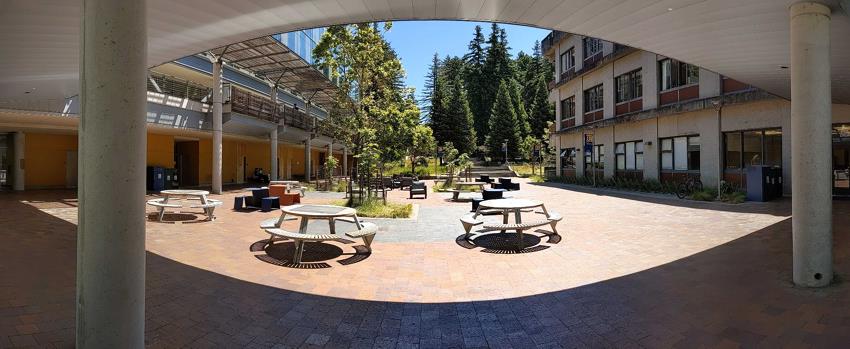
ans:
(345, 161)
(811, 144)
(307, 158)
(216, 127)
(111, 232)
(273, 173)
(18, 162)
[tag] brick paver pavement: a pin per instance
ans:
(629, 271)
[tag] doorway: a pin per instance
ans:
(841, 160)
(186, 161)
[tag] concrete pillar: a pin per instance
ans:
(18, 169)
(111, 231)
(216, 127)
(811, 147)
(345, 161)
(273, 173)
(307, 158)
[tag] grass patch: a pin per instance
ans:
(527, 171)
(375, 208)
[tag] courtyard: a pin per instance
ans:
(629, 270)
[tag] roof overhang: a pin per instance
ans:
(746, 40)
(267, 58)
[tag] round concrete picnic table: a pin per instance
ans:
(508, 205)
(480, 185)
(326, 212)
(184, 193)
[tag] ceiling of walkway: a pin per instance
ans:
(746, 40)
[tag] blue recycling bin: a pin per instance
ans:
(155, 178)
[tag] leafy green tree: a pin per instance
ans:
(503, 125)
(422, 145)
(372, 112)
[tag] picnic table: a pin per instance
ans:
(331, 213)
(170, 195)
(508, 206)
(460, 187)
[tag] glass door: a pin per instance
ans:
(841, 160)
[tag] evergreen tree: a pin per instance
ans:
(497, 68)
(541, 111)
(519, 108)
(503, 125)
(476, 84)
(457, 109)
(430, 88)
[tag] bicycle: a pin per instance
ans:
(688, 187)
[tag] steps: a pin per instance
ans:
(492, 171)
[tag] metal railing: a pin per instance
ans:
(260, 106)
(551, 40)
(176, 87)
(590, 64)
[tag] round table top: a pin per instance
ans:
(510, 203)
(320, 211)
(184, 192)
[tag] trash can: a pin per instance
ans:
(155, 179)
(764, 183)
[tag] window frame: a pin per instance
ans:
(597, 156)
(570, 153)
(571, 102)
(679, 74)
(570, 55)
(624, 154)
(672, 152)
(588, 43)
(742, 164)
(595, 94)
(631, 90)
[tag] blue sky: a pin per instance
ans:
(416, 42)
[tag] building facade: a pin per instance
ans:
(38, 146)
(624, 112)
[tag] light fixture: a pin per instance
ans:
(669, 9)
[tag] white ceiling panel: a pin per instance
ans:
(746, 40)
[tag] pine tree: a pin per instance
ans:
(519, 108)
(503, 124)
(497, 67)
(457, 108)
(430, 88)
(476, 84)
(541, 111)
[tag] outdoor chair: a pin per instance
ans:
(418, 188)
(406, 182)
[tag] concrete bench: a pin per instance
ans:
(299, 239)
(553, 218)
(209, 208)
(272, 223)
(468, 221)
(367, 233)
(161, 206)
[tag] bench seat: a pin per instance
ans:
(367, 233)
(468, 221)
(209, 208)
(161, 205)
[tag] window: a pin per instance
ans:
(593, 99)
(680, 153)
(629, 86)
(675, 74)
(592, 46)
(568, 108)
(568, 59)
(629, 155)
(597, 159)
(568, 158)
(752, 148)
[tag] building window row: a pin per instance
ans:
(676, 74)
(680, 153)
(568, 158)
(596, 158)
(629, 86)
(568, 108)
